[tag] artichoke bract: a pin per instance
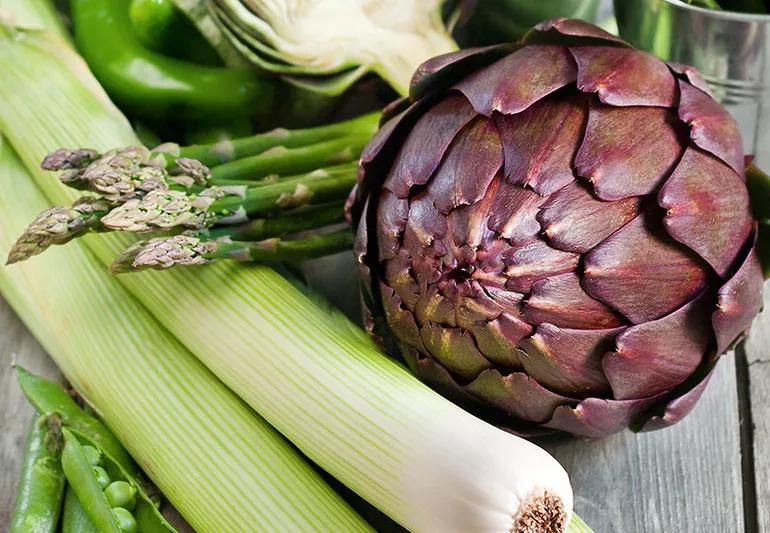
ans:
(558, 233)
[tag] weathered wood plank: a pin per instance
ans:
(686, 478)
(758, 356)
(16, 414)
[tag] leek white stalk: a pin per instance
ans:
(217, 461)
(311, 373)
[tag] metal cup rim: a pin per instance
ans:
(720, 14)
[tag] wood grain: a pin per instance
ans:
(686, 478)
(16, 414)
(758, 358)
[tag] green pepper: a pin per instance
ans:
(161, 27)
(151, 20)
(151, 85)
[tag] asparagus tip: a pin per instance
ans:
(64, 159)
(163, 252)
(49, 227)
(193, 168)
(56, 225)
(12, 258)
(163, 209)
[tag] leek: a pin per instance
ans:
(311, 373)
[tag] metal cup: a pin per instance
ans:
(732, 51)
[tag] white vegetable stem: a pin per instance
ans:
(312, 374)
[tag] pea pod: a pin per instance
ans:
(41, 485)
(74, 518)
(96, 447)
(145, 511)
(48, 397)
(81, 477)
(156, 86)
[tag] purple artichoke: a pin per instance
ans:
(558, 233)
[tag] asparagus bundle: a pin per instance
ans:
(237, 199)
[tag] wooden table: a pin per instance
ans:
(705, 475)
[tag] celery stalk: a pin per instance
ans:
(311, 373)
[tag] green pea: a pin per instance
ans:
(93, 455)
(124, 518)
(102, 477)
(121, 494)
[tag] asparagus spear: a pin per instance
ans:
(58, 225)
(362, 127)
(293, 221)
(188, 250)
(168, 209)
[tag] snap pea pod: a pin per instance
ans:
(48, 397)
(41, 485)
(74, 518)
(83, 480)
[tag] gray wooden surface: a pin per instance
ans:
(15, 413)
(758, 387)
(703, 475)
